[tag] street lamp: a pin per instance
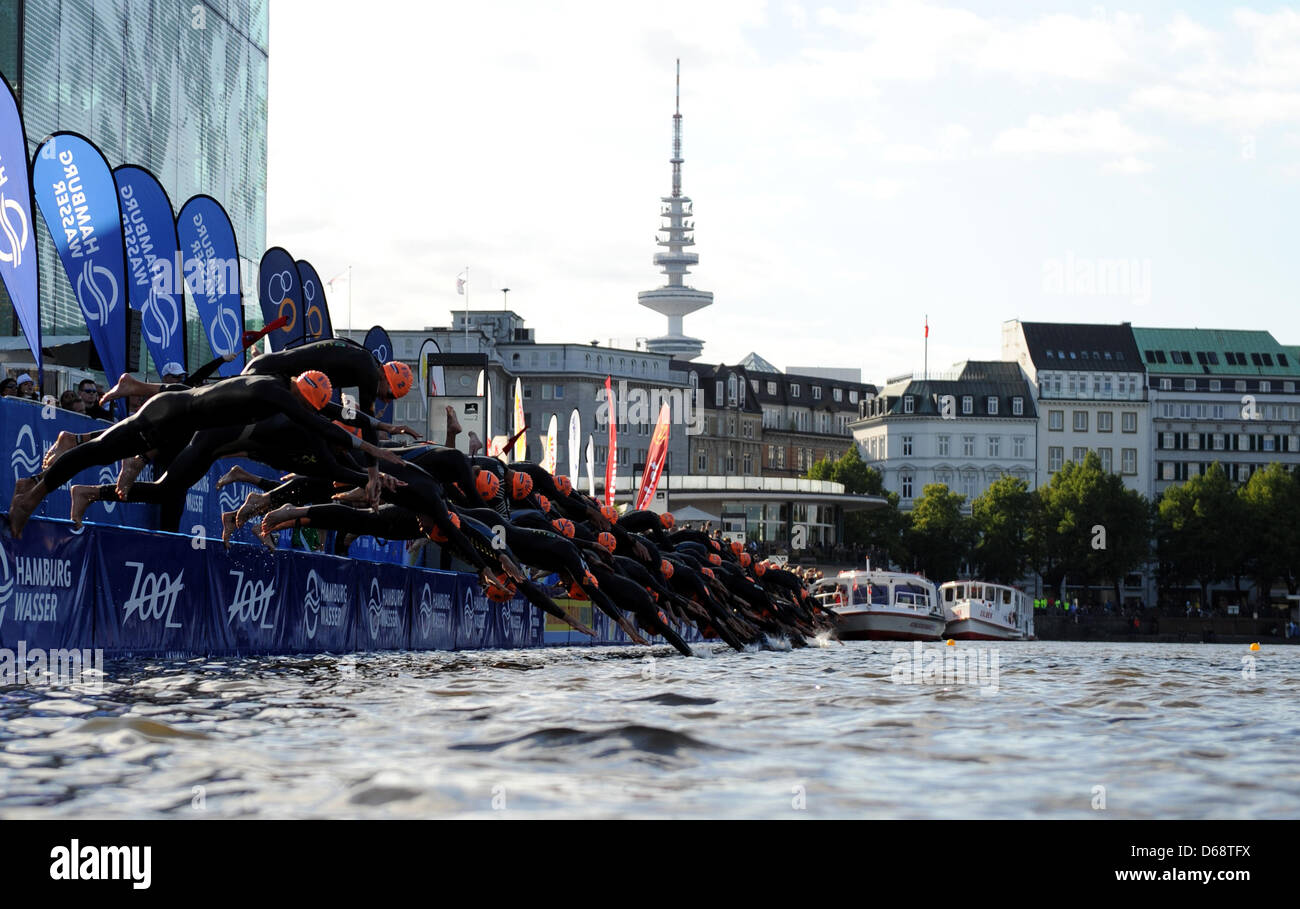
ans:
(504, 291)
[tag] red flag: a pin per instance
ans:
(611, 460)
(927, 326)
(655, 460)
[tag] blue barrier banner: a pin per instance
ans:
(518, 623)
(378, 550)
(17, 230)
(73, 186)
(323, 595)
(211, 256)
(379, 344)
(434, 607)
(151, 593)
(475, 626)
(279, 291)
(44, 578)
(248, 591)
(316, 309)
(154, 287)
(385, 610)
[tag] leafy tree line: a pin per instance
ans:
(1085, 528)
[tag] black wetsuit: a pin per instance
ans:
(347, 363)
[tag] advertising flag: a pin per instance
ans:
(430, 386)
(316, 309)
(379, 344)
(552, 444)
(654, 464)
(211, 256)
(611, 459)
(279, 291)
(17, 231)
(591, 466)
(521, 444)
(74, 190)
(575, 445)
(152, 249)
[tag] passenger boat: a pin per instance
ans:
(983, 611)
(883, 605)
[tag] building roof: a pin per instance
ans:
(979, 379)
(754, 363)
(1082, 347)
(1215, 351)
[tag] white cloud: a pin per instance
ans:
(1099, 132)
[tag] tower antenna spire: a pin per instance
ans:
(677, 135)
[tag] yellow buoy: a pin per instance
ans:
(1254, 646)
(952, 643)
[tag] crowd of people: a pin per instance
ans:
(84, 399)
(516, 525)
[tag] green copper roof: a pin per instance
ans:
(1214, 352)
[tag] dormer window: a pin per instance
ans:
(1017, 406)
(908, 404)
(992, 406)
(967, 404)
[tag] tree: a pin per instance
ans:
(1271, 502)
(940, 538)
(880, 530)
(1004, 518)
(1199, 530)
(1092, 528)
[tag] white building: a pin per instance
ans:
(1090, 388)
(964, 429)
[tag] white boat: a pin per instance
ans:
(883, 605)
(983, 611)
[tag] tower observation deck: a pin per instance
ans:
(676, 299)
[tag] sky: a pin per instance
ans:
(856, 169)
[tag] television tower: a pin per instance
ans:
(676, 299)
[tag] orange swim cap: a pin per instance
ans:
(610, 513)
(544, 503)
(737, 547)
(399, 377)
(487, 484)
(563, 484)
(666, 568)
(608, 540)
(715, 559)
(521, 484)
(564, 526)
(667, 520)
(315, 386)
(745, 559)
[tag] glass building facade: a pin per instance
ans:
(175, 86)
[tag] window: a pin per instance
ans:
(968, 446)
(1129, 421)
(1105, 455)
(905, 484)
(992, 406)
(794, 389)
(995, 446)
(907, 404)
(1080, 421)
(907, 446)
(749, 463)
(1128, 460)
(1166, 384)
(1167, 470)
(1216, 385)
(559, 392)
(1018, 446)
(1017, 406)
(1055, 455)
(837, 394)
(1056, 420)
(817, 392)
(1268, 443)
(771, 388)
(1166, 440)
(731, 462)
(1189, 385)
(1240, 385)
(1265, 386)
(942, 446)
(944, 477)
(853, 397)
(1288, 387)
(967, 404)
(1079, 454)
(1104, 419)
(702, 462)
(1193, 441)
(719, 392)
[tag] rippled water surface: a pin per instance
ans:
(1167, 730)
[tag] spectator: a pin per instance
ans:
(9, 387)
(90, 398)
(70, 400)
(173, 374)
(27, 387)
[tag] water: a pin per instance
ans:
(1167, 730)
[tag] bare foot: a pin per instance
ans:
(128, 386)
(511, 567)
(255, 504)
(280, 518)
(131, 468)
(28, 494)
(356, 496)
(65, 442)
(82, 496)
(228, 527)
(453, 422)
(236, 474)
(267, 537)
(475, 444)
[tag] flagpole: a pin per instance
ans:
(927, 346)
(350, 303)
(466, 309)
